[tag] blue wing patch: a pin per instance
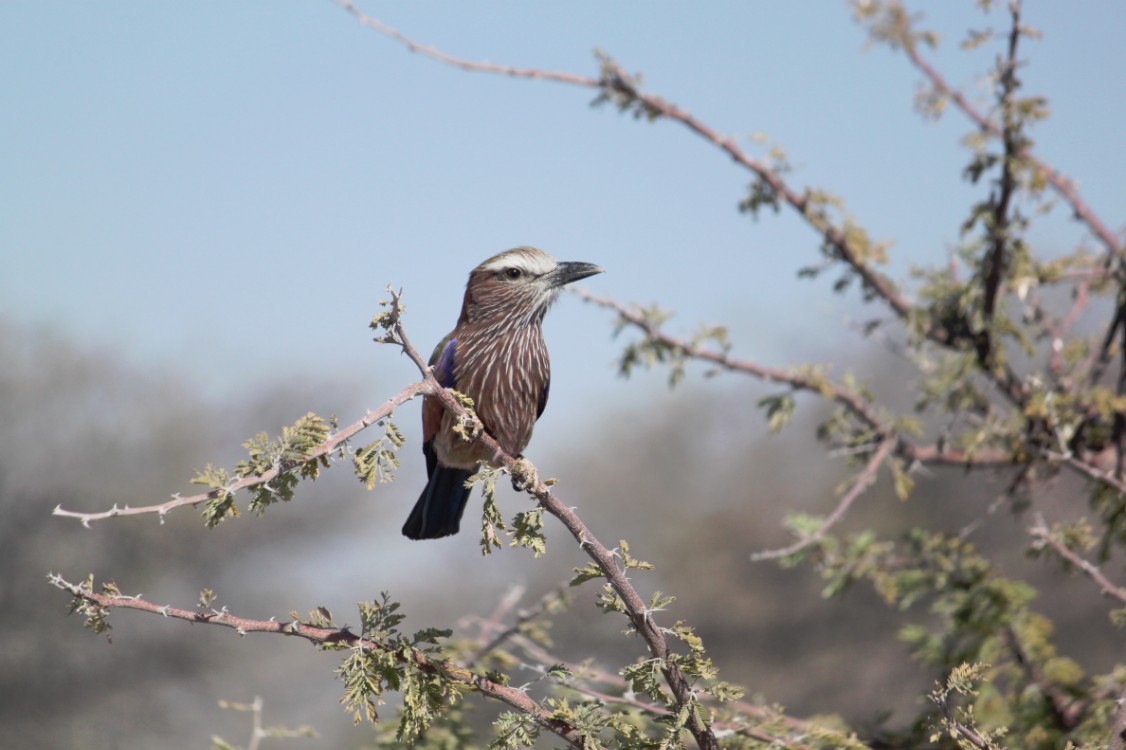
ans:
(444, 367)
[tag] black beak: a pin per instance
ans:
(567, 272)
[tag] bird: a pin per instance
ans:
(495, 355)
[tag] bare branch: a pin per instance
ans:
(494, 633)
(513, 697)
(863, 480)
(457, 62)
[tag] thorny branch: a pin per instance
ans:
(615, 80)
(338, 637)
(324, 449)
(1092, 466)
(850, 399)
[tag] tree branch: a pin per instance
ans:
(1045, 537)
(865, 478)
(851, 400)
(334, 442)
(1063, 186)
(513, 697)
(615, 82)
(999, 229)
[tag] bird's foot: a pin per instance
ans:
(468, 427)
(524, 476)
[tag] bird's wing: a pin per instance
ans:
(543, 398)
(442, 362)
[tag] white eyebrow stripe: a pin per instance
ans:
(535, 262)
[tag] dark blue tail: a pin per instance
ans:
(438, 510)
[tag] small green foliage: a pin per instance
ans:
(558, 672)
(320, 617)
(265, 732)
(221, 505)
(958, 720)
(390, 663)
(609, 601)
(901, 480)
(377, 461)
(527, 531)
(491, 520)
(761, 193)
(385, 323)
(514, 731)
(779, 410)
(650, 350)
(622, 90)
(469, 427)
(206, 599)
(424, 695)
(628, 560)
(96, 617)
(646, 677)
(586, 573)
(297, 454)
(454, 732)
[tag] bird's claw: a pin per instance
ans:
(524, 476)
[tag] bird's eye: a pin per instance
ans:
(513, 273)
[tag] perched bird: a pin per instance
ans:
(495, 355)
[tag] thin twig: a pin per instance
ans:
(865, 478)
(1041, 532)
(502, 634)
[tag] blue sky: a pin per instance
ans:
(226, 188)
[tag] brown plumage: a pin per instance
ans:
(495, 355)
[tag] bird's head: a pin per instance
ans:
(517, 286)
